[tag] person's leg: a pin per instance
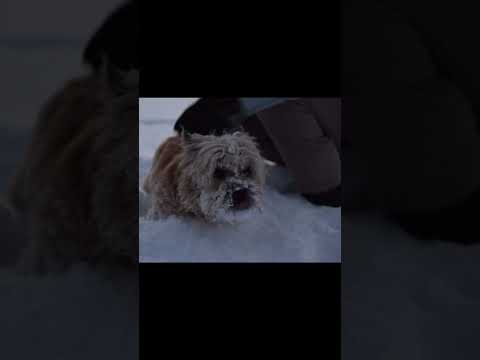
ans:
(268, 150)
(310, 155)
(328, 113)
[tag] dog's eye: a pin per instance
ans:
(247, 171)
(220, 174)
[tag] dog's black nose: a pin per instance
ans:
(241, 199)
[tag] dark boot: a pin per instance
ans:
(332, 198)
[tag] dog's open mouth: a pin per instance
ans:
(241, 200)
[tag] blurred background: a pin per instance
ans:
(40, 49)
(161, 109)
(41, 46)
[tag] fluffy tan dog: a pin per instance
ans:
(77, 187)
(215, 178)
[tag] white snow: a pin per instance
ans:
(288, 230)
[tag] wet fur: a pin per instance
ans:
(182, 181)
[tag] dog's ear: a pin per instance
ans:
(192, 142)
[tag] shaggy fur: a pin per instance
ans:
(77, 186)
(215, 178)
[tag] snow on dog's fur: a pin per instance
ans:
(215, 178)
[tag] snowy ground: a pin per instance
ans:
(289, 230)
(404, 298)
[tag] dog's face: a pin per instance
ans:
(227, 174)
